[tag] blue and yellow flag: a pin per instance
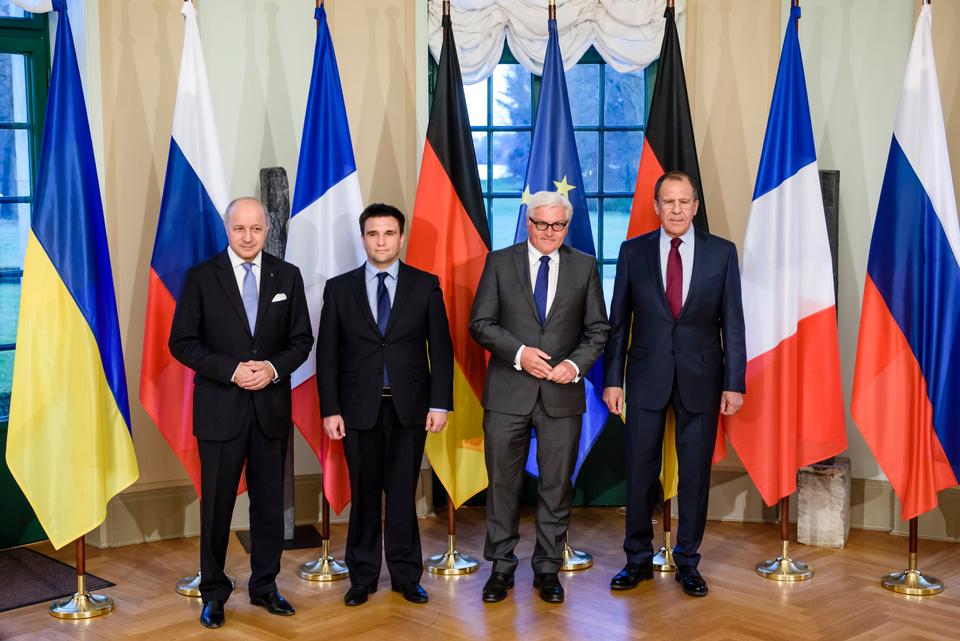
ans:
(69, 445)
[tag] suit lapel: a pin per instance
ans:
(401, 295)
(653, 264)
(228, 281)
(699, 251)
(564, 281)
(522, 265)
(360, 292)
(268, 286)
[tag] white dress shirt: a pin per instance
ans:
(686, 259)
(533, 258)
(240, 273)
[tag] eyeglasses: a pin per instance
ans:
(542, 226)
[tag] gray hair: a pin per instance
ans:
(236, 201)
(549, 199)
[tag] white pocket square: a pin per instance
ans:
(279, 297)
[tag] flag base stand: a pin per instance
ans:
(82, 605)
(910, 581)
(326, 568)
(663, 560)
(574, 560)
(451, 562)
(190, 585)
(783, 568)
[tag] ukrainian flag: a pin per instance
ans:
(69, 444)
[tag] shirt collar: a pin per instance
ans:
(371, 271)
(687, 238)
(533, 254)
(236, 261)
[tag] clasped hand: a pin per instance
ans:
(254, 375)
(535, 362)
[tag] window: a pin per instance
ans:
(24, 73)
(609, 113)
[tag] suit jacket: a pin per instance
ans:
(210, 335)
(504, 317)
(416, 349)
(703, 348)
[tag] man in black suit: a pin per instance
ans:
(539, 310)
(679, 289)
(385, 379)
(242, 325)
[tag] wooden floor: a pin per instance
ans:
(843, 601)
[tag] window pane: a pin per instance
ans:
(9, 307)
(476, 95)
(624, 94)
(480, 146)
(13, 87)
(616, 219)
(588, 143)
(510, 152)
(583, 87)
(505, 214)
(593, 207)
(621, 159)
(14, 227)
(511, 95)
(10, 10)
(6, 382)
(608, 274)
(14, 162)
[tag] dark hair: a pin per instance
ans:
(381, 210)
(675, 175)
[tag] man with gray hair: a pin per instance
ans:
(539, 310)
(242, 325)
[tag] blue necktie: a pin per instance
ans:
(540, 291)
(383, 312)
(250, 296)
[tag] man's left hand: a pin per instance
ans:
(436, 421)
(730, 403)
(563, 373)
(263, 375)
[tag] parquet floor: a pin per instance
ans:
(843, 601)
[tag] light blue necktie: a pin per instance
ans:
(250, 296)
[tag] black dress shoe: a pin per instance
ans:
(631, 575)
(357, 594)
(549, 585)
(274, 603)
(495, 589)
(690, 580)
(412, 592)
(212, 614)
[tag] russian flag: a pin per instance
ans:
(793, 409)
(68, 443)
(189, 230)
(907, 378)
(324, 238)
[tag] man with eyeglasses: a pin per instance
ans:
(539, 310)
(678, 288)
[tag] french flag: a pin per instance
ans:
(793, 409)
(907, 378)
(324, 238)
(189, 230)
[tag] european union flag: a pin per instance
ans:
(554, 165)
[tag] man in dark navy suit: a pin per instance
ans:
(385, 379)
(242, 325)
(679, 289)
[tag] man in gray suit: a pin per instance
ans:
(539, 311)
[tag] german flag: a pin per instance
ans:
(450, 238)
(668, 145)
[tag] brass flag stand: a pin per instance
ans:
(325, 568)
(82, 605)
(783, 568)
(663, 559)
(451, 562)
(911, 581)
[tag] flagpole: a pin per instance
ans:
(783, 568)
(451, 562)
(663, 560)
(82, 605)
(911, 581)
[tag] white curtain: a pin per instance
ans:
(627, 33)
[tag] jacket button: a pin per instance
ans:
(383, 344)
(379, 371)
(253, 351)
